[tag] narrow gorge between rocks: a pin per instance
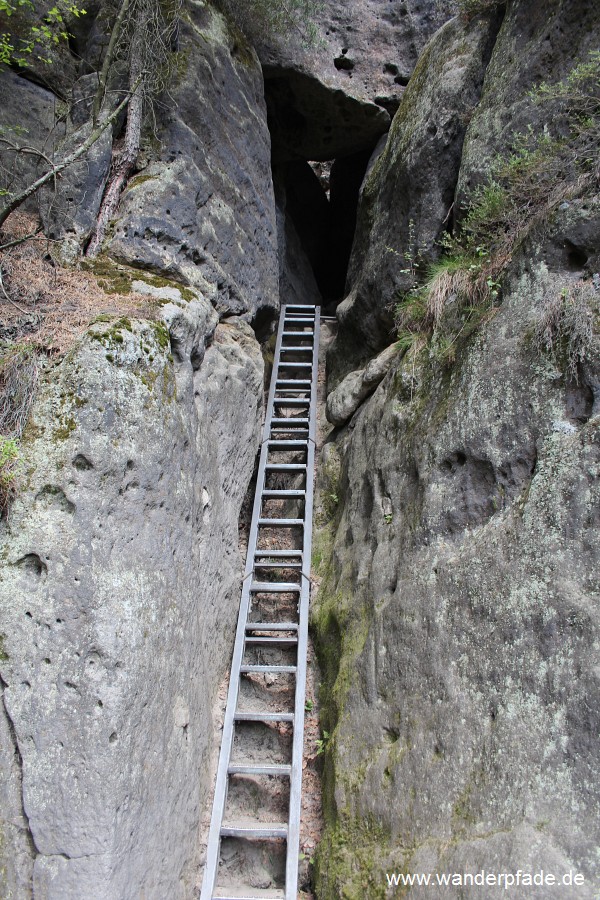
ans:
(425, 173)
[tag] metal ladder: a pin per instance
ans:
(273, 622)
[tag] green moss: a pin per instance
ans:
(322, 548)
(149, 379)
(346, 860)
(112, 277)
(4, 657)
(240, 48)
(116, 278)
(161, 334)
(31, 432)
(65, 430)
(112, 335)
(169, 384)
(464, 815)
(139, 180)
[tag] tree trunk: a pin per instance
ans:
(108, 60)
(124, 159)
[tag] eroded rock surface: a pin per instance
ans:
(408, 192)
(363, 50)
(203, 210)
(458, 620)
(28, 117)
(119, 594)
(536, 43)
(343, 402)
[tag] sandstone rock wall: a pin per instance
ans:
(458, 620)
(457, 617)
(366, 50)
(408, 192)
(203, 209)
(119, 594)
(120, 570)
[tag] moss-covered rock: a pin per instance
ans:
(458, 619)
(408, 192)
(119, 586)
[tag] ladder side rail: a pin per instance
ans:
(220, 795)
(293, 847)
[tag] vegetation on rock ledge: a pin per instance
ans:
(523, 190)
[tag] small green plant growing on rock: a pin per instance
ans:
(448, 302)
(11, 467)
(569, 324)
(32, 39)
(322, 743)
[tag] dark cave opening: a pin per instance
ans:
(324, 224)
(321, 144)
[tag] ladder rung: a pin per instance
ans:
(259, 770)
(258, 832)
(281, 523)
(295, 319)
(301, 306)
(291, 401)
(284, 493)
(287, 442)
(272, 641)
(293, 391)
(277, 553)
(278, 896)
(281, 429)
(296, 349)
(247, 897)
(286, 467)
(299, 420)
(273, 587)
(274, 670)
(302, 334)
(264, 717)
(278, 565)
(271, 626)
(293, 382)
(293, 365)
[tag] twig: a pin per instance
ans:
(69, 160)
(10, 300)
(32, 151)
(21, 240)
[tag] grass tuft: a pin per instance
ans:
(449, 299)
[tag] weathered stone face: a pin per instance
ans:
(203, 209)
(408, 191)
(458, 619)
(366, 50)
(29, 116)
(537, 42)
(119, 593)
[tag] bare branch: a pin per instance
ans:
(20, 198)
(21, 240)
(10, 300)
(108, 60)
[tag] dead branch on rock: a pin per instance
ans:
(147, 29)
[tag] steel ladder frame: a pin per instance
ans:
(290, 314)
